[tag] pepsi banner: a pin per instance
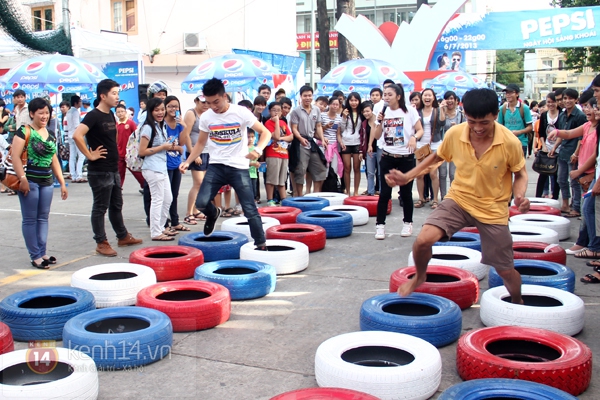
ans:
(552, 28)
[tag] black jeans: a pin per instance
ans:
(541, 182)
(403, 164)
(108, 195)
(175, 179)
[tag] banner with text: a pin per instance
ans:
(303, 41)
(552, 28)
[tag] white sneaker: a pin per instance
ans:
(379, 232)
(406, 229)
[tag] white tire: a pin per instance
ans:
(467, 259)
(418, 379)
(360, 215)
(540, 201)
(287, 256)
(74, 377)
(531, 233)
(335, 199)
(567, 318)
(561, 225)
(118, 287)
(240, 225)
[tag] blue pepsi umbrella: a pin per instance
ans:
(52, 73)
(459, 82)
(361, 76)
(237, 71)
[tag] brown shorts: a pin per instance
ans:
(496, 240)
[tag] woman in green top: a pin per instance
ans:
(36, 184)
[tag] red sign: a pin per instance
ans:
(303, 40)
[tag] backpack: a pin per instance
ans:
(133, 160)
(521, 111)
(331, 183)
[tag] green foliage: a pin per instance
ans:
(508, 61)
(577, 58)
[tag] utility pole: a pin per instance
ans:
(313, 53)
(65, 15)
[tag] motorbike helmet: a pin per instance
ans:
(158, 86)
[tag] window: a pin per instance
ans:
(561, 64)
(547, 63)
(124, 16)
(42, 18)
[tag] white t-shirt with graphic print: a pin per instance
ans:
(228, 135)
(398, 127)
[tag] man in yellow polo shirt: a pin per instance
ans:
(486, 155)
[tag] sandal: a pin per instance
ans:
(190, 220)
(11, 192)
(434, 204)
(181, 228)
(170, 232)
(50, 260)
(419, 204)
(573, 214)
(163, 238)
(595, 263)
(42, 265)
(587, 253)
(227, 213)
(589, 278)
(200, 216)
(237, 211)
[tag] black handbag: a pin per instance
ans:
(544, 164)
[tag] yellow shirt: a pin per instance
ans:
(483, 187)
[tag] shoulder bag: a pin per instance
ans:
(544, 164)
(10, 179)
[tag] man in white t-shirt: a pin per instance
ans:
(223, 130)
(76, 157)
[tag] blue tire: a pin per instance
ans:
(542, 273)
(41, 314)
(245, 279)
(463, 239)
(426, 316)
(120, 337)
(503, 388)
(336, 224)
(221, 245)
(306, 203)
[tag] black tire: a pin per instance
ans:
(146, 336)
(41, 314)
(305, 203)
(503, 388)
(463, 239)
(426, 316)
(245, 279)
(543, 273)
(336, 224)
(218, 246)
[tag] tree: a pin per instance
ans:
(577, 58)
(346, 51)
(323, 28)
(508, 61)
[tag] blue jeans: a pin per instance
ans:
(564, 168)
(589, 216)
(372, 166)
(35, 209)
(443, 171)
(175, 179)
(218, 175)
(108, 195)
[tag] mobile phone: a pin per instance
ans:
(177, 114)
(334, 126)
(172, 139)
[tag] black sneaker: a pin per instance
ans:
(262, 247)
(209, 225)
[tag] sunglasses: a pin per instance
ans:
(456, 59)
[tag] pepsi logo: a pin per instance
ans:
(60, 88)
(123, 86)
(264, 81)
(91, 69)
(66, 69)
(191, 86)
(260, 64)
(351, 88)
(225, 82)
(338, 71)
(361, 72)
(204, 68)
(388, 72)
(441, 77)
(15, 85)
(324, 87)
(233, 65)
(460, 79)
(35, 67)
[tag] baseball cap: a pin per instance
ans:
(280, 90)
(512, 87)
(86, 102)
(200, 96)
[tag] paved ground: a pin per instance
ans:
(268, 345)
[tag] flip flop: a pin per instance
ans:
(190, 220)
(200, 216)
(162, 238)
(587, 253)
(589, 278)
(227, 213)
(42, 265)
(573, 214)
(170, 232)
(51, 260)
(419, 203)
(595, 263)
(181, 228)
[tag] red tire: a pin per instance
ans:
(469, 229)
(285, 215)
(539, 251)
(191, 305)
(566, 363)
(6, 339)
(535, 209)
(458, 285)
(368, 202)
(169, 262)
(313, 236)
(324, 394)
